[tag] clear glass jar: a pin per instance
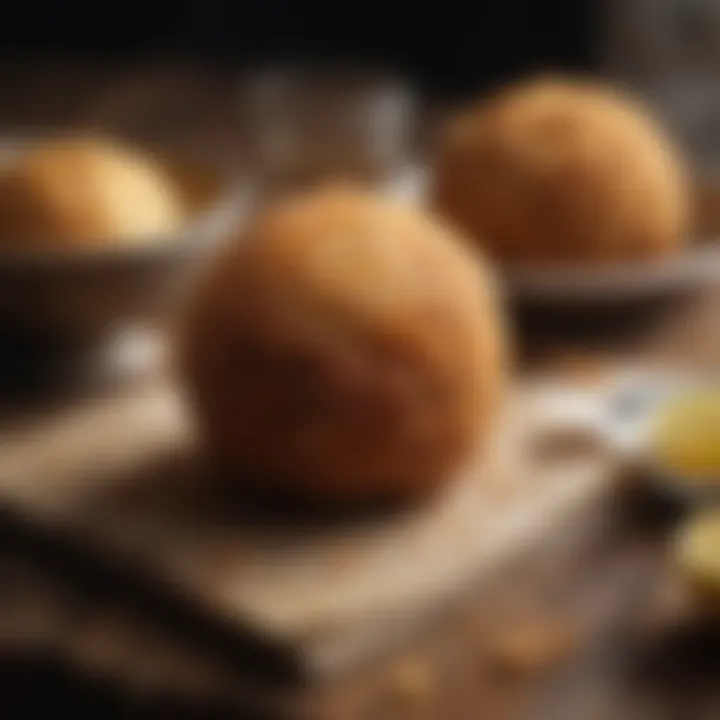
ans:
(307, 125)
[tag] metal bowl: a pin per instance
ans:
(586, 285)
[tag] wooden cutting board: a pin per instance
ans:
(121, 476)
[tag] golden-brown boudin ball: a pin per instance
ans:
(559, 170)
(346, 347)
(79, 192)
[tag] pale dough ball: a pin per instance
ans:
(561, 171)
(82, 192)
(345, 347)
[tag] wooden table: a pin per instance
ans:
(630, 653)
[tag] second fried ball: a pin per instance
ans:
(557, 170)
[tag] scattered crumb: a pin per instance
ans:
(530, 648)
(413, 682)
(671, 602)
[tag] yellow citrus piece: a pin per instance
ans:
(697, 554)
(686, 435)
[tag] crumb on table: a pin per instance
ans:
(528, 648)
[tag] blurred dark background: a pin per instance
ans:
(449, 48)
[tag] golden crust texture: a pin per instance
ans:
(557, 171)
(79, 192)
(345, 347)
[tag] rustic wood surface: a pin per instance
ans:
(121, 475)
(632, 651)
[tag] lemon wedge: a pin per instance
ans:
(697, 554)
(686, 435)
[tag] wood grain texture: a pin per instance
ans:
(122, 476)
